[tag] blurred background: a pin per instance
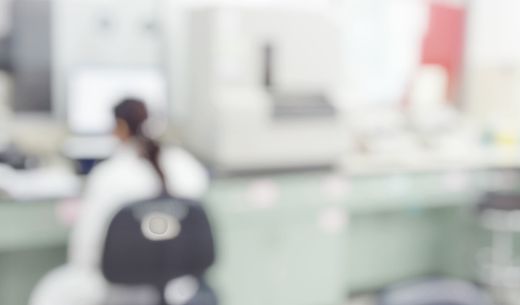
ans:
(359, 151)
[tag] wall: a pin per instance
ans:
(493, 62)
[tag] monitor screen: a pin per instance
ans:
(93, 93)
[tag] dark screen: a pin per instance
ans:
(31, 55)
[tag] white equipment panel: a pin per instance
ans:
(93, 93)
(264, 89)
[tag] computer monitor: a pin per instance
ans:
(93, 93)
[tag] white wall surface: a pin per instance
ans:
(383, 41)
(493, 62)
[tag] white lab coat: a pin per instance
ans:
(123, 179)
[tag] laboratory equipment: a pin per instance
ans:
(101, 33)
(12, 156)
(43, 183)
(382, 141)
(94, 91)
(102, 51)
(264, 89)
(25, 51)
(446, 48)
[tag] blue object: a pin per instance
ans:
(85, 166)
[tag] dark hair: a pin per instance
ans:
(133, 112)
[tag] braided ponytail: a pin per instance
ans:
(133, 112)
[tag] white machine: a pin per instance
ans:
(264, 85)
(103, 50)
(92, 94)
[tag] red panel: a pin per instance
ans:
(444, 41)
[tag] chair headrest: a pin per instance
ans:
(154, 241)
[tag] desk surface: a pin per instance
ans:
(501, 158)
(27, 225)
(251, 213)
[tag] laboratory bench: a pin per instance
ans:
(302, 239)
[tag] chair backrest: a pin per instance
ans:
(154, 241)
(500, 201)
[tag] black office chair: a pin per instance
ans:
(156, 241)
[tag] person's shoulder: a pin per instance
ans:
(114, 163)
(115, 166)
(178, 155)
(176, 152)
(187, 177)
(122, 177)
